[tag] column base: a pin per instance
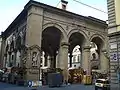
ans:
(65, 75)
(32, 74)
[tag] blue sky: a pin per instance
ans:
(9, 9)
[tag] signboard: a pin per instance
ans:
(113, 57)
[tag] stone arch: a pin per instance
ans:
(81, 32)
(101, 43)
(99, 36)
(56, 25)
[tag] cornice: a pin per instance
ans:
(114, 34)
(63, 12)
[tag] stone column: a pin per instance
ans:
(63, 60)
(70, 59)
(86, 60)
(104, 62)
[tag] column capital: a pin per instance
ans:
(104, 50)
(87, 47)
(65, 44)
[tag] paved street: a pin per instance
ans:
(4, 86)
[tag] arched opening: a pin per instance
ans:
(76, 41)
(96, 47)
(95, 56)
(51, 37)
(76, 57)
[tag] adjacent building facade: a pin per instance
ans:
(44, 32)
(114, 38)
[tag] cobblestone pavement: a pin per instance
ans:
(5, 86)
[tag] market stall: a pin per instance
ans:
(76, 75)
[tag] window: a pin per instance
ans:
(12, 57)
(45, 63)
(74, 59)
(78, 58)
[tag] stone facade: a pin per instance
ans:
(34, 26)
(114, 38)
